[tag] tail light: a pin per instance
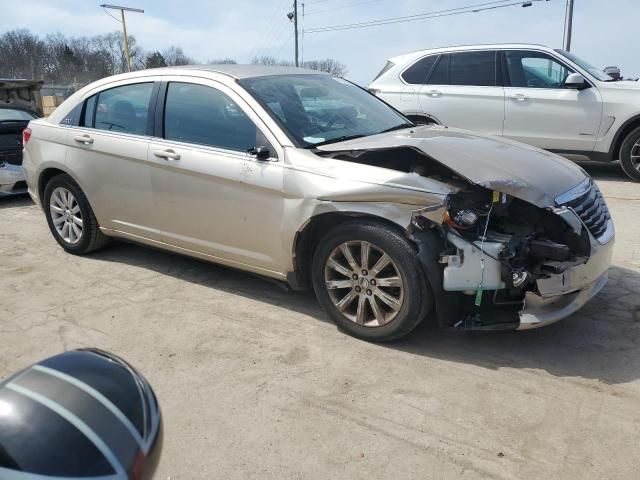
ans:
(26, 135)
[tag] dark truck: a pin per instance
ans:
(20, 102)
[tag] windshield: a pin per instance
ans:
(8, 114)
(595, 71)
(321, 109)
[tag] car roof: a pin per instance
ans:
(239, 71)
(230, 71)
(455, 48)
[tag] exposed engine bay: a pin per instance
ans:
(498, 246)
(494, 246)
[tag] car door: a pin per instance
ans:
(212, 196)
(107, 153)
(541, 111)
(464, 90)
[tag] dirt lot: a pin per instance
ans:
(255, 383)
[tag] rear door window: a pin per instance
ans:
(418, 73)
(473, 68)
(121, 109)
(206, 116)
(440, 74)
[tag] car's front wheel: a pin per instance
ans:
(70, 217)
(630, 155)
(368, 279)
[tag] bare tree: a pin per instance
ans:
(328, 65)
(22, 55)
(175, 56)
(221, 61)
(66, 60)
(267, 60)
(155, 60)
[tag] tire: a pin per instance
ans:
(76, 212)
(631, 148)
(403, 276)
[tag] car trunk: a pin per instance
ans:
(11, 142)
(23, 95)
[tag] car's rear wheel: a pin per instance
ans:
(70, 217)
(630, 155)
(367, 278)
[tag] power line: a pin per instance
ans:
(313, 12)
(272, 27)
(418, 16)
(421, 16)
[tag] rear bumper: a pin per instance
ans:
(10, 175)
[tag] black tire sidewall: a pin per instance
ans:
(87, 215)
(625, 155)
(417, 296)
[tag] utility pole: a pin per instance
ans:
(295, 28)
(293, 17)
(568, 25)
(124, 27)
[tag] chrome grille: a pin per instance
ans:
(592, 209)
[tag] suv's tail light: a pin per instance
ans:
(26, 135)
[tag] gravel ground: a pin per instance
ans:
(254, 382)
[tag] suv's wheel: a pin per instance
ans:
(630, 155)
(368, 280)
(70, 218)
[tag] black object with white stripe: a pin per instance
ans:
(79, 415)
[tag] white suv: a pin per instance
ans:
(534, 94)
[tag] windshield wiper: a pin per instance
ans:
(399, 127)
(344, 138)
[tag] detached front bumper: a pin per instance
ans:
(564, 294)
(10, 175)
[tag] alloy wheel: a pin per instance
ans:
(635, 156)
(364, 283)
(66, 215)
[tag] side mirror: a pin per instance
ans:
(575, 81)
(261, 153)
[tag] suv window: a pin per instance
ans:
(473, 68)
(535, 70)
(418, 73)
(206, 116)
(440, 74)
(120, 109)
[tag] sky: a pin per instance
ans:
(241, 29)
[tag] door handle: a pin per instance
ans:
(84, 139)
(434, 93)
(167, 154)
(520, 97)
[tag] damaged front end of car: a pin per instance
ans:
(504, 253)
(507, 263)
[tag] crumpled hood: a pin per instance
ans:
(21, 94)
(522, 171)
